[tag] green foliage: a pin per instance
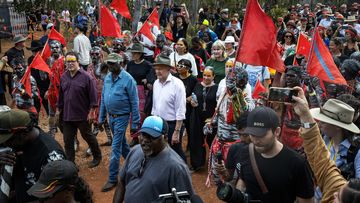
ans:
(277, 12)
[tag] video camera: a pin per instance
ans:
(178, 197)
(227, 193)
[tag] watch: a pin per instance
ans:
(307, 125)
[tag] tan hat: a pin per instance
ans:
(338, 113)
(350, 19)
(19, 38)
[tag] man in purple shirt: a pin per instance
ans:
(77, 100)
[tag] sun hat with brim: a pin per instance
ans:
(162, 60)
(229, 39)
(36, 45)
(11, 120)
(350, 19)
(55, 176)
(114, 58)
(338, 113)
(137, 48)
(153, 126)
(19, 38)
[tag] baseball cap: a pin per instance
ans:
(154, 126)
(55, 176)
(10, 120)
(260, 120)
(114, 58)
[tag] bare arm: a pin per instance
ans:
(119, 193)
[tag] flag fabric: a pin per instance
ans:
(46, 52)
(258, 44)
(39, 63)
(121, 7)
(259, 88)
(25, 80)
(55, 35)
(149, 24)
(321, 62)
(303, 46)
(108, 24)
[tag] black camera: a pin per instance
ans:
(227, 193)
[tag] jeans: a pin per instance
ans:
(119, 145)
(70, 131)
(176, 147)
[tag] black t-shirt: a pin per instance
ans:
(29, 165)
(14, 53)
(139, 71)
(233, 158)
(286, 176)
(189, 83)
(179, 33)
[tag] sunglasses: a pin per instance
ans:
(288, 36)
(181, 66)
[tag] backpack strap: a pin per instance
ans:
(256, 171)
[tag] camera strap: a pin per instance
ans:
(256, 169)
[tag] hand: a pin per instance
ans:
(7, 158)
(220, 168)
(301, 106)
(91, 116)
(4, 59)
(194, 104)
(188, 99)
(207, 130)
(175, 137)
(46, 95)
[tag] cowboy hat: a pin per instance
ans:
(36, 45)
(338, 113)
(137, 48)
(163, 60)
(350, 19)
(19, 38)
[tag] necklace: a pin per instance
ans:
(142, 60)
(205, 93)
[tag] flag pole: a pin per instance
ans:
(137, 33)
(242, 31)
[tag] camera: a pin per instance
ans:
(174, 197)
(281, 95)
(227, 193)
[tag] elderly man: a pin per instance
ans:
(77, 100)
(119, 100)
(31, 148)
(152, 168)
(169, 102)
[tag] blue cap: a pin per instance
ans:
(153, 125)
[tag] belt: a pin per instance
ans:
(118, 115)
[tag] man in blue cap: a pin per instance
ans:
(152, 167)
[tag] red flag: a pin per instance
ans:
(154, 18)
(108, 24)
(259, 88)
(257, 44)
(46, 52)
(55, 35)
(303, 46)
(39, 63)
(121, 7)
(25, 80)
(321, 63)
(146, 30)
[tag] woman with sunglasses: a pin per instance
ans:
(218, 60)
(182, 52)
(289, 44)
(203, 107)
(190, 81)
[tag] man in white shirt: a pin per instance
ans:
(169, 102)
(326, 19)
(82, 46)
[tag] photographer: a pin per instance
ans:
(334, 186)
(232, 30)
(180, 22)
(31, 147)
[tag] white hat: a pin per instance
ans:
(229, 39)
(49, 26)
(336, 112)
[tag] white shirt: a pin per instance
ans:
(66, 15)
(82, 46)
(169, 99)
(325, 22)
(175, 57)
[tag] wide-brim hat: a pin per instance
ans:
(350, 19)
(338, 113)
(163, 60)
(137, 48)
(11, 119)
(19, 38)
(36, 45)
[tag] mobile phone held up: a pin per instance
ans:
(282, 95)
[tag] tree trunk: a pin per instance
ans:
(137, 14)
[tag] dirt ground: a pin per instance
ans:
(97, 177)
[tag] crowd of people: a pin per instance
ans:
(180, 85)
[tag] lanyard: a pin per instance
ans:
(329, 146)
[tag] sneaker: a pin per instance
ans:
(108, 186)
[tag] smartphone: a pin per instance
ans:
(281, 95)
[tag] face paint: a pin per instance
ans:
(55, 47)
